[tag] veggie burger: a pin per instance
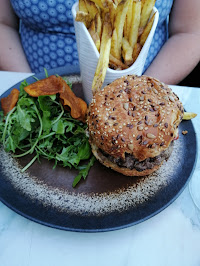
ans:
(132, 124)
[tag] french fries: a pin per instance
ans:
(83, 17)
(136, 50)
(146, 31)
(104, 55)
(98, 3)
(94, 34)
(128, 21)
(82, 6)
(119, 29)
(189, 115)
(117, 64)
(92, 8)
(127, 52)
(147, 6)
(136, 10)
(119, 26)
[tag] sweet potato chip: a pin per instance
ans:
(47, 86)
(77, 105)
(9, 102)
(83, 106)
(53, 85)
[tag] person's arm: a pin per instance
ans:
(12, 57)
(181, 53)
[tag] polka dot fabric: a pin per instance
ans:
(47, 33)
(161, 33)
(48, 50)
(48, 37)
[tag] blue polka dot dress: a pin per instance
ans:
(48, 36)
(47, 33)
(161, 33)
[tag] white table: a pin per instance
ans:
(170, 238)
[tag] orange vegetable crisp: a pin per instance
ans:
(77, 105)
(9, 102)
(53, 85)
(47, 86)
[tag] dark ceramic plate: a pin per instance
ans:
(106, 200)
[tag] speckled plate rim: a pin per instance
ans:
(64, 71)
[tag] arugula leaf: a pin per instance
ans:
(59, 127)
(84, 171)
(10, 145)
(41, 126)
(84, 151)
(68, 82)
(24, 118)
(46, 73)
(22, 86)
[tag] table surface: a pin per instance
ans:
(172, 237)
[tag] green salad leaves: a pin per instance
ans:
(41, 126)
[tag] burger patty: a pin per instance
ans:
(131, 162)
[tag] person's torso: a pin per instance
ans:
(47, 32)
(46, 15)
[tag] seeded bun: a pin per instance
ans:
(137, 116)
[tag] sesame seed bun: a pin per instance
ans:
(136, 117)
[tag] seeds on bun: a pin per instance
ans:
(132, 123)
